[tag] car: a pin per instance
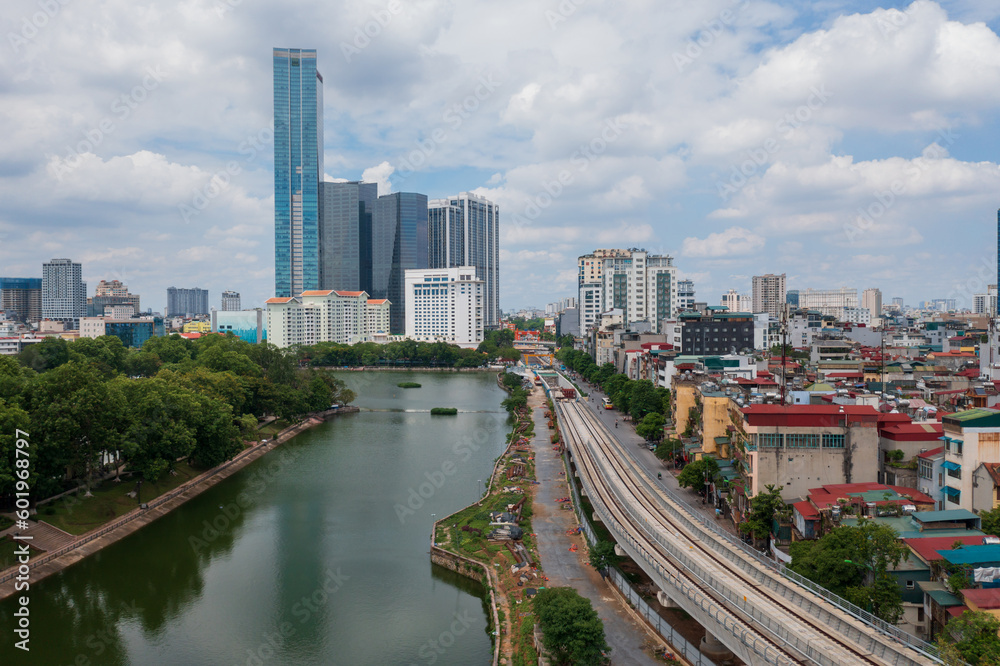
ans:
(334, 406)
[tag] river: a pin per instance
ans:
(314, 554)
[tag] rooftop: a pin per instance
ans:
(973, 555)
(928, 548)
(984, 598)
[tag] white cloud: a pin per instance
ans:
(732, 242)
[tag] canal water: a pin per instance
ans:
(317, 553)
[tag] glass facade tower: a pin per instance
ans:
(298, 170)
(345, 235)
(399, 243)
(465, 231)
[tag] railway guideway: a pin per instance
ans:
(755, 613)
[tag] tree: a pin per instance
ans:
(693, 475)
(668, 449)
(852, 561)
(643, 399)
(651, 427)
(991, 521)
(573, 633)
(602, 555)
(763, 507)
(972, 638)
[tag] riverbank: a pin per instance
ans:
(86, 544)
(390, 368)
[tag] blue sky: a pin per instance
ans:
(843, 143)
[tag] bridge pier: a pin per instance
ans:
(666, 601)
(712, 648)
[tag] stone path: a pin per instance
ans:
(44, 537)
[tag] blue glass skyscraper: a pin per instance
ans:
(298, 170)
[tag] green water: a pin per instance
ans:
(314, 554)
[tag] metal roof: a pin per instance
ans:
(972, 555)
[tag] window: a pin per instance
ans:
(770, 440)
(910, 585)
(831, 441)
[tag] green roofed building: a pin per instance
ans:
(970, 438)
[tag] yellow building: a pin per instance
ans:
(198, 327)
(714, 424)
(683, 400)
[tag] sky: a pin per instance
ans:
(842, 143)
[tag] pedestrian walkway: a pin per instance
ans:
(564, 567)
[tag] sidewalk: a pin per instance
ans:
(628, 639)
(625, 433)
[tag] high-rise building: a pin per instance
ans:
(112, 298)
(792, 297)
(399, 243)
(871, 300)
(445, 304)
(985, 303)
(590, 285)
(769, 294)
(64, 293)
(831, 302)
(21, 298)
(642, 286)
(298, 170)
(685, 294)
(737, 302)
(345, 235)
(897, 302)
(230, 301)
(464, 230)
(187, 302)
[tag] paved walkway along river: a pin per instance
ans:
(624, 634)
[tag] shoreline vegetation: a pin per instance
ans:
(408, 385)
(444, 411)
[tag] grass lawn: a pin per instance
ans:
(77, 515)
(5, 522)
(7, 546)
(273, 428)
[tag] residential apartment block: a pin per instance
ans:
(323, 316)
(831, 302)
(769, 294)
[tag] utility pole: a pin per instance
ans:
(784, 349)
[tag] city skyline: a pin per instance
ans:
(737, 145)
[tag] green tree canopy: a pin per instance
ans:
(693, 474)
(573, 633)
(651, 427)
(971, 637)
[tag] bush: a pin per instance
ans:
(444, 411)
(408, 385)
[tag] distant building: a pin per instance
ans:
(112, 298)
(590, 286)
(642, 286)
(769, 294)
(685, 295)
(248, 325)
(568, 322)
(830, 302)
(21, 298)
(737, 302)
(230, 301)
(64, 293)
(985, 303)
(792, 298)
(345, 235)
(464, 230)
(321, 316)
(871, 299)
(399, 243)
(445, 304)
(187, 302)
(132, 332)
(718, 334)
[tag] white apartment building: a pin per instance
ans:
(737, 302)
(769, 294)
(377, 315)
(590, 283)
(685, 294)
(324, 316)
(857, 316)
(830, 302)
(643, 286)
(985, 303)
(444, 304)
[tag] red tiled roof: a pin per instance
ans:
(927, 548)
(931, 453)
(993, 469)
(957, 611)
(846, 375)
(985, 598)
(278, 299)
(828, 495)
(349, 293)
(816, 415)
(377, 301)
(317, 292)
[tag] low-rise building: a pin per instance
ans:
(248, 325)
(319, 316)
(132, 332)
(971, 438)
